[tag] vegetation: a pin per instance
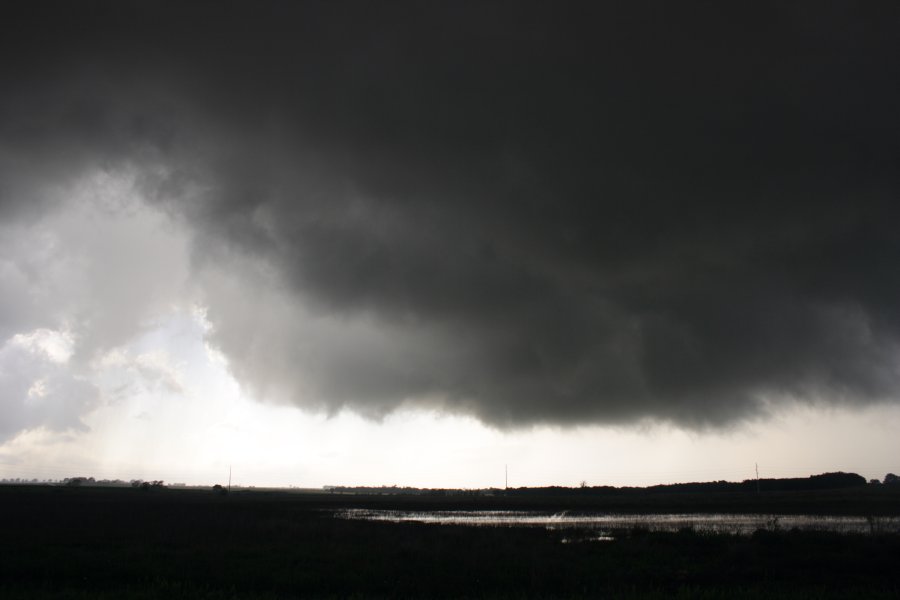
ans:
(750, 495)
(880, 500)
(81, 542)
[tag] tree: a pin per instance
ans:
(890, 478)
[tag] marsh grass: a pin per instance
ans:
(190, 544)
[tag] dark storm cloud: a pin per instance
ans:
(531, 213)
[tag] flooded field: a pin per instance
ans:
(116, 543)
(603, 524)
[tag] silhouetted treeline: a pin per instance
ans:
(825, 481)
(91, 482)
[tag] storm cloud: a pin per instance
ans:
(527, 212)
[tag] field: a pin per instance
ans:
(124, 543)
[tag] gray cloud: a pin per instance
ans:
(597, 213)
(38, 391)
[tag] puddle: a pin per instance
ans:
(604, 523)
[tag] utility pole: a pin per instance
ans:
(506, 477)
(757, 477)
(229, 479)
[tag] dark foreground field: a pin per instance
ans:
(124, 543)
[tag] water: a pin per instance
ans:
(602, 525)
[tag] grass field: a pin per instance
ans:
(125, 543)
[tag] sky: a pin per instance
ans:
(427, 244)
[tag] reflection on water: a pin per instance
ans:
(604, 523)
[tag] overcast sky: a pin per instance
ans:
(367, 242)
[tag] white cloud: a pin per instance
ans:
(79, 280)
(55, 345)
